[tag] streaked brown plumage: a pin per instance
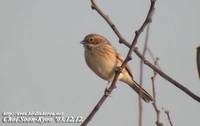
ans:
(103, 59)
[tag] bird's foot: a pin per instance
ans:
(118, 69)
(107, 92)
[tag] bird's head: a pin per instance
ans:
(93, 40)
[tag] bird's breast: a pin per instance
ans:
(102, 61)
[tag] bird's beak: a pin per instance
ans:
(83, 42)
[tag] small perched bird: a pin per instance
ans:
(103, 59)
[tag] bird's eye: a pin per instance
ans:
(91, 39)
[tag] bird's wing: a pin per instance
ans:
(126, 67)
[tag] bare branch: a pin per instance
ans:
(122, 40)
(158, 123)
(198, 60)
(107, 19)
(153, 58)
(167, 77)
(128, 58)
(146, 22)
(105, 96)
(141, 76)
(132, 48)
(153, 80)
(169, 118)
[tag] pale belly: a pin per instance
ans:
(103, 67)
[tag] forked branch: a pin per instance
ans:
(128, 57)
(158, 122)
(168, 117)
(135, 49)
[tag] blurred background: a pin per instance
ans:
(42, 65)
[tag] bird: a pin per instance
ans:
(103, 59)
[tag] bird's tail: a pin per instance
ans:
(140, 91)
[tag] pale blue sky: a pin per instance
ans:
(42, 65)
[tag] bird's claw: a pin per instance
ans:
(118, 69)
(107, 92)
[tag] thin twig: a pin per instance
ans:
(157, 110)
(141, 76)
(118, 71)
(168, 117)
(198, 60)
(122, 40)
(153, 58)
(167, 77)
(108, 20)
(158, 122)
